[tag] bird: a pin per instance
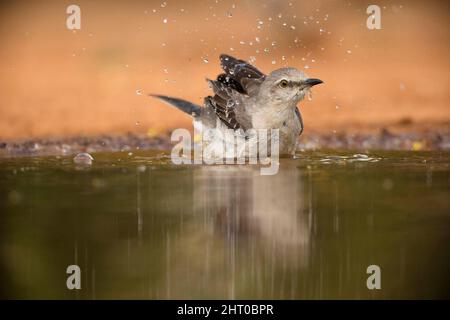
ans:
(246, 100)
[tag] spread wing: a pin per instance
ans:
(240, 80)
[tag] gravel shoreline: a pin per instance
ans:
(384, 140)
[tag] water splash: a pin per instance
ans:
(83, 158)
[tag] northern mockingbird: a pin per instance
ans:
(245, 98)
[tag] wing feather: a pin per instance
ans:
(240, 79)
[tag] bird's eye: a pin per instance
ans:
(283, 83)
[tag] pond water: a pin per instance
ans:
(140, 227)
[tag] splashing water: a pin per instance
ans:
(83, 158)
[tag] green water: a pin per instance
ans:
(141, 227)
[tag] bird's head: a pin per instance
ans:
(288, 85)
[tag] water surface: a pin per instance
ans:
(141, 227)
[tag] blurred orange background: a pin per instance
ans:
(58, 82)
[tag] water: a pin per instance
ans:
(140, 227)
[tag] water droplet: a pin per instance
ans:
(273, 62)
(293, 27)
(165, 20)
(164, 4)
(139, 92)
(205, 60)
(83, 159)
(229, 14)
(349, 51)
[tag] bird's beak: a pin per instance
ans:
(312, 82)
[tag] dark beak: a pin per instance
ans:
(312, 82)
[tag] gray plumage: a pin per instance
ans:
(185, 106)
(245, 98)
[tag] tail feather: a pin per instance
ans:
(185, 106)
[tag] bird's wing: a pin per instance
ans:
(240, 72)
(239, 81)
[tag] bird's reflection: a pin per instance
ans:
(244, 204)
(249, 235)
